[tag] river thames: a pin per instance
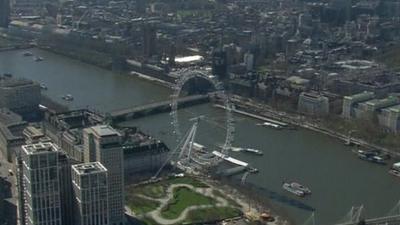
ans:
(337, 178)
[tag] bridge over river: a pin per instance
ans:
(156, 107)
(354, 217)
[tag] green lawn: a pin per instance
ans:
(148, 221)
(210, 214)
(140, 205)
(156, 190)
(183, 198)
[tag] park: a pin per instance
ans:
(180, 200)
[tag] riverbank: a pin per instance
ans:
(101, 60)
(252, 202)
(8, 44)
(104, 61)
(91, 57)
(260, 109)
(257, 108)
(53, 105)
(263, 110)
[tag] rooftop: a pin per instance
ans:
(363, 96)
(312, 95)
(297, 80)
(395, 109)
(383, 103)
(8, 117)
(39, 148)
(89, 168)
(104, 130)
(33, 131)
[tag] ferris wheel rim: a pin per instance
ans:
(185, 76)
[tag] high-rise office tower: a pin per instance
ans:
(90, 187)
(219, 64)
(149, 39)
(103, 144)
(40, 183)
(66, 196)
(4, 13)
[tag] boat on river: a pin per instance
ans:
(289, 188)
(268, 124)
(239, 149)
(395, 170)
(300, 187)
(68, 97)
(371, 156)
(27, 53)
(43, 86)
(38, 59)
(252, 150)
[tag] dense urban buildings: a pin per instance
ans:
(313, 104)
(5, 13)
(11, 133)
(41, 184)
(328, 65)
(19, 95)
(90, 185)
(102, 143)
(350, 102)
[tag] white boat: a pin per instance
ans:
(239, 149)
(268, 124)
(233, 149)
(288, 187)
(236, 149)
(395, 170)
(252, 150)
(27, 54)
(395, 173)
(43, 86)
(38, 59)
(199, 147)
(300, 187)
(68, 97)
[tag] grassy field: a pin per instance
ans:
(141, 205)
(183, 198)
(158, 190)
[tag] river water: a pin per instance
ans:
(338, 179)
